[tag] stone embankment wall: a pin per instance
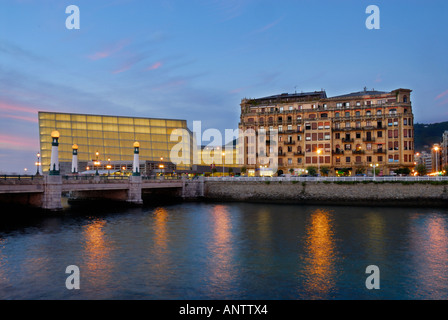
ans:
(384, 193)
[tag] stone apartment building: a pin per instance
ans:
(346, 133)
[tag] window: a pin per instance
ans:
(405, 99)
(281, 109)
(357, 113)
(289, 161)
(347, 114)
(289, 127)
(379, 134)
(358, 135)
(358, 159)
(307, 126)
(405, 121)
(347, 159)
(324, 115)
(393, 111)
(378, 112)
(358, 103)
(280, 128)
(291, 108)
(336, 115)
(339, 105)
(368, 113)
(380, 158)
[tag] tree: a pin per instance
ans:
(421, 169)
(324, 170)
(360, 170)
(312, 171)
(445, 170)
(291, 171)
(243, 170)
(403, 171)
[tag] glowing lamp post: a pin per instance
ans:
(54, 164)
(75, 159)
(38, 164)
(373, 167)
(97, 163)
(136, 165)
(436, 149)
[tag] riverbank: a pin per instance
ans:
(423, 194)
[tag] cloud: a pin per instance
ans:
(110, 50)
(155, 66)
(17, 143)
(441, 95)
(14, 111)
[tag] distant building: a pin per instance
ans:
(345, 133)
(444, 151)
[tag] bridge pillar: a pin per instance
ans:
(52, 199)
(135, 190)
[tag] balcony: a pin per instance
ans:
(358, 152)
(338, 152)
(300, 153)
(289, 142)
(368, 139)
(348, 140)
(379, 151)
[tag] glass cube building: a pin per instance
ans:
(113, 138)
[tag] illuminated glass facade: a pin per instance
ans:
(112, 137)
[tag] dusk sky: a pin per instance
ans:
(196, 60)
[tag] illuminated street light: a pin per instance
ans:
(38, 163)
(436, 149)
(373, 167)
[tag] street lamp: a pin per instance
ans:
(37, 164)
(374, 166)
(96, 163)
(108, 167)
(437, 160)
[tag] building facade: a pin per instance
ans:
(346, 134)
(110, 140)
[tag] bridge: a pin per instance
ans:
(45, 191)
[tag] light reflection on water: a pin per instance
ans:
(229, 251)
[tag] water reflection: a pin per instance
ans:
(220, 250)
(320, 259)
(159, 258)
(431, 256)
(4, 281)
(97, 249)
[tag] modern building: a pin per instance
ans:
(110, 139)
(346, 134)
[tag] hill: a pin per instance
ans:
(428, 134)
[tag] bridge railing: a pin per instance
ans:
(330, 179)
(93, 177)
(21, 177)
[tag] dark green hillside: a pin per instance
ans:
(428, 134)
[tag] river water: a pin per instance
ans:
(227, 251)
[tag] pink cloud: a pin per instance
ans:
(155, 66)
(15, 142)
(11, 107)
(107, 52)
(29, 119)
(441, 95)
(19, 112)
